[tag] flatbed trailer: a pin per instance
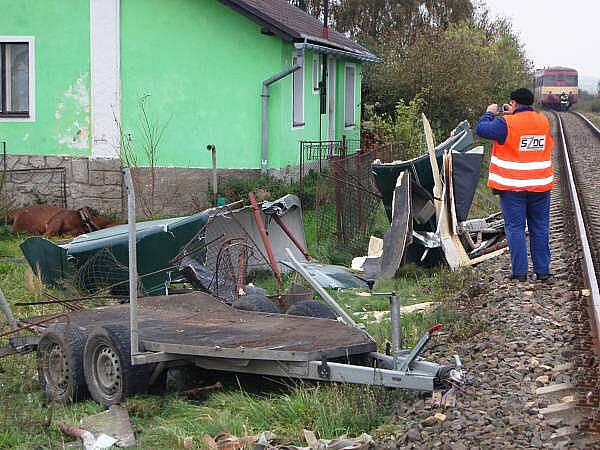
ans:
(88, 350)
(120, 350)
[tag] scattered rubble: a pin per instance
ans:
(267, 441)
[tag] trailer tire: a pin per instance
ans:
(256, 302)
(311, 308)
(109, 375)
(60, 365)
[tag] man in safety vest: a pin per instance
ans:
(521, 173)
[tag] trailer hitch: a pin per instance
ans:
(418, 348)
(324, 370)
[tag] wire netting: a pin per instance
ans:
(347, 203)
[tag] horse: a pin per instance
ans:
(48, 220)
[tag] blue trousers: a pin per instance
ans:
(533, 209)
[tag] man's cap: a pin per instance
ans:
(523, 96)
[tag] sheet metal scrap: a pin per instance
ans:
(427, 200)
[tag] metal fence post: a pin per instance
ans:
(133, 275)
(396, 328)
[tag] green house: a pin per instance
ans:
(74, 73)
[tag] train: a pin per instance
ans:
(552, 83)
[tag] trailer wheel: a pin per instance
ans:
(60, 365)
(256, 302)
(311, 308)
(107, 366)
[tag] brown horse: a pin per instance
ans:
(50, 220)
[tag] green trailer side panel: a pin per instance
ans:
(100, 259)
(61, 30)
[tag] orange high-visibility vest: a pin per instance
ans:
(524, 161)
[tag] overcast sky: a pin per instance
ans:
(556, 32)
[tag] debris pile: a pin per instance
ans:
(427, 200)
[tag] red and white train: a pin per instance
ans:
(551, 83)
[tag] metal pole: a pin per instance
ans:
(293, 238)
(322, 292)
(396, 328)
(211, 148)
(4, 306)
(265, 105)
(133, 275)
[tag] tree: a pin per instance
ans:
(458, 57)
(312, 7)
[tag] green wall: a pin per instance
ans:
(62, 79)
(202, 65)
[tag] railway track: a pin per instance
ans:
(580, 169)
(575, 222)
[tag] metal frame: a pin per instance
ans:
(404, 370)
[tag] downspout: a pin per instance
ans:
(265, 103)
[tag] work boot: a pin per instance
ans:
(520, 278)
(546, 277)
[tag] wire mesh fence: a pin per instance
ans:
(346, 202)
(335, 179)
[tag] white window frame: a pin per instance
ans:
(30, 40)
(316, 79)
(300, 72)
(349, 127)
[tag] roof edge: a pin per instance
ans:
(256, 16)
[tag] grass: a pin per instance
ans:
(594, 117)
(168, 420)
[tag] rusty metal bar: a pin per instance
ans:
(31, 325)
(293, 238)
(265, 238)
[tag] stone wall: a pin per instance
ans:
(179, 190)
(98, 183)
(95, 183)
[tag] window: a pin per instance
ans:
(349, 107)
(549, 80)
(297, 95)
(571, 80)
(317, 72)
(16, 78)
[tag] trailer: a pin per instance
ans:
(120, 350)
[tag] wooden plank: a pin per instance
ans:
(563, 432)
(487, 256)
(430, 140)
(559, 407)
(202, 325)
(554, 388)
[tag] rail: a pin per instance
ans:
(589, 271)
